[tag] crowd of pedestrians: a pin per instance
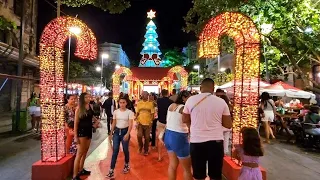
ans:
(194, 129)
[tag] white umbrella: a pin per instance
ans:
(282, 89)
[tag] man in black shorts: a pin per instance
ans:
(206, 114)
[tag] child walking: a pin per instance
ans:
(121, 128)
(249, 152)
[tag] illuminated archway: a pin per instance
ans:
(247, 66)
(116, 80)
(184, 76)
(52, 43)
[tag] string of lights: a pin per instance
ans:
(116, 80)
(52, 41)
(184, 76)
(247, 65)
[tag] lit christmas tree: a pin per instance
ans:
(151, 52)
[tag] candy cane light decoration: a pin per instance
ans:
(52, 42)
(116, 80)
(182, 72)
(247, 54)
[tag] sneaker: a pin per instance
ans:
(110, 175)
(126, 168)
(85, 172)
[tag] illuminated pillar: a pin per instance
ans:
(52, 42)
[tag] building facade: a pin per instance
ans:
(191, 52)
(115, 52)
(11, 11)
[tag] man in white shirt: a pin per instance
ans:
(207, 114)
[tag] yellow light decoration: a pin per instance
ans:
(247, 66)
(116, 80)
(182, 72)
(52, 43)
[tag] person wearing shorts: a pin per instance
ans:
(34, 111)
(269, 111)
(176, 139)
(163, 104)
(207, 115)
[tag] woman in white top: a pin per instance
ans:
(121, 128)
(176, 139)
(269, 112)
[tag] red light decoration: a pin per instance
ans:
(247, 66)
(52, 41)
(184, 77)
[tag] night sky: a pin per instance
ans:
(128, 28)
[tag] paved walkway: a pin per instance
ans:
(282, 162)
(288, 162)
(18, 154)
(142, 167)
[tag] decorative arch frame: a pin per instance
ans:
(182, 72)
(116, 80)
(247, 65)
(52, 41)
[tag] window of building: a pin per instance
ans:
(17, 7)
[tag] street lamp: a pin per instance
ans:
(98, 68)
(308, 30)
(266, 29)
(117, 66)
(103, 56)
(222, 69)
(198, 68)
(201, 76)
(75, 31)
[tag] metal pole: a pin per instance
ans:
(20, 64)
(58, 8)
(68, 69)
(266, 62)
(102, 72)
(199, 75)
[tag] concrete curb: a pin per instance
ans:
(8, 140)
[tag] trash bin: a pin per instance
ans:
(23, 122)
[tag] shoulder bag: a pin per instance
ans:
(199, 102)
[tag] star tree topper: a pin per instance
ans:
(151, 14)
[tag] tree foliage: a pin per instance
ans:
(113, 6)
(9, 27)
(173, 57)
(289, 47)
(6, 25)
(76, 69)
(86, 74)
